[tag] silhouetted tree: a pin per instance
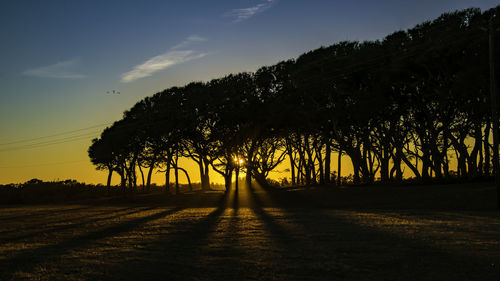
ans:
(412, 100)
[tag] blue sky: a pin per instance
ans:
(59, 58)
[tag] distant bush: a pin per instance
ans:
(38, 191)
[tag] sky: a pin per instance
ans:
(60, 61)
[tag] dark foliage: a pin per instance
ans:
(411, 101)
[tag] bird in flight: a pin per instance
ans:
(113, 92)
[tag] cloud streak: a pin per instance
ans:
(246, 13)
(60, 70)
(173, 57)
(189, 41)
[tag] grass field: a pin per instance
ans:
(364, 233)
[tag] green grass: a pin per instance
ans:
(354, 234)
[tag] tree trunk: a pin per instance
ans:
(110, 173)
(300, 167)
(142, 176)
(487, 160)
(123, 182)
(150, 173)
(384, 167)
(446, 162)
(481, 160)
(365, 163)
(123, 178)
(328, 152)
(249, 163)
(292, 165)
(396, 168)
(356, 158)
(473, 163)
(237, 174)
(227, 178)
(436, 167)
(176, 173)
(248, 178)
(134, 172)
(311, 169)
(207, 176)
(339, 168)
(202, 176)
(413, 168)
(425, 166)
(167, 174)
(187, 177)
(318, 148)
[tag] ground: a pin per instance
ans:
(257, 234)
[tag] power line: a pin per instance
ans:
(43, 164)
(136, 124)
(55, 135)
(52, 142)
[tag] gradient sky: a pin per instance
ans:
(60, 58)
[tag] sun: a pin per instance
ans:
(238, 161)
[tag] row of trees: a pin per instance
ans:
(413, 100)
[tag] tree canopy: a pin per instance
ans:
(412, 100)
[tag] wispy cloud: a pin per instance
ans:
(246, 13)
(188, 41)
(60, 70)
(173, 57)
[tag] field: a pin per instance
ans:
(448, 232)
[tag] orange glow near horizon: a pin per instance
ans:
(70, 161)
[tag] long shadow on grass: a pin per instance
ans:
(40, 213)
(41, 231)
(39, 223)
(345, 249)
(218, 250)
(26, 261)
(296, 254)
(177, 256)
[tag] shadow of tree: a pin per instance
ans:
(330, 245)
(41, 213)
(242, 238)
(29, 259)
(69, 223)
(174, 255)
